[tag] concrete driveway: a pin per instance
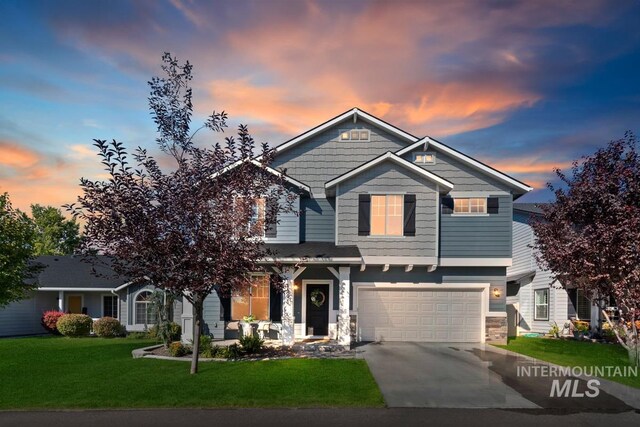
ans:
(468, 376)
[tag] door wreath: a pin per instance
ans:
(318, 298)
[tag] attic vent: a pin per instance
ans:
(355, 135)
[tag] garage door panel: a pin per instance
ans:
(419, 315)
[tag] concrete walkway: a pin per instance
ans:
(468, 376)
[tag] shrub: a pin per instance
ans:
(175, 331)
(233, 351)
(251, 344)
(177, 349)
(49, 320)
(74, 325)
(206, 350)
(108, 327)
(137, 335)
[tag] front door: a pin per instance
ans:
(74, 304)
(318, 309)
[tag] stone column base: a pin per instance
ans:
(496, 330)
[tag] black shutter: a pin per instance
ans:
(225, 308)
(364, 214)
(275, 304)
(271, 226)
(409, 214)
(447, 205)
(493, 205)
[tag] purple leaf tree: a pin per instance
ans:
(196, 228)
(590, 236)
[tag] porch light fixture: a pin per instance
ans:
(497, 292)
(296, 287)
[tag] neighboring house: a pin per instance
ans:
(67, 283)
(534, 300)
(400, 238)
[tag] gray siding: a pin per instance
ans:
(317, 222)
(388, 178)
(288, 228)
(495, 276)
(211, 313)
(463, 177)
(323, 157)
(523, 259)
(487, 236)
(23, 317)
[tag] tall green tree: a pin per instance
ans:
(17, 239)
(54, 234)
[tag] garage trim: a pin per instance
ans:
(484, 287)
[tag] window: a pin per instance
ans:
(541, 304)
(144, 314)
(110, 306)
(254, 300)
(386, 215)
(583, 306)
(256, 223)
(474, 205)
(424, 158)
(355, 135)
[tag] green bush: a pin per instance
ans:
(137, 335)
(175, 331)
(74, 325)
(177, 349)
(251, 344)
(206, 350)
(108, 327)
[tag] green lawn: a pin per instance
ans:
(574, 353)
(53, 372)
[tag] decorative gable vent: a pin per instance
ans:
(355, 135)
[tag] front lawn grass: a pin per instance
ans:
(55, 372)
(574, 353)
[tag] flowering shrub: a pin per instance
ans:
(177, 349)
(108, 327)
(49, 320)
(74, 325)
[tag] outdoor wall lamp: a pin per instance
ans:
(497, 292)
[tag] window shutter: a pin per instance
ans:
(409, 214)
(364, 214)
(271, 226)
(447, 205)
(493, 205)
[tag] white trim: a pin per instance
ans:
(466, 159)
(399, 260)
(346, 260)
(337, 218)
(121, 287)
(475, 262)
(483, 287)
(423, 154)
(117, 304)
(497, 314)
(398, 160)
(334, 272)
(478, 194)
(77, 289)
(133, 309)
(66, 300)
(303, 313)
(438, 213)
(356, 113)
(268, 169)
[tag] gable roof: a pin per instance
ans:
(389, 156)
(269, 169)
(468, 160)
(529, 208)
(355, 113)
(72, 272)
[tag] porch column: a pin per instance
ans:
(61, 300)
(187, 321)
(344, 320)
(288, 322)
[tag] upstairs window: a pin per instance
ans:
(386, 215)
(471, 205)
(424, 158)
(256, 222)
(355, 135)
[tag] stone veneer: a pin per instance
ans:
(496, 330)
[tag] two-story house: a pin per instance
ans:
(400, 238)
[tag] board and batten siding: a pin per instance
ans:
(288, 227)
(388, 178)
(478, 236)
(324, 157)
(317, 220)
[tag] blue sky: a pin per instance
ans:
(523, 86)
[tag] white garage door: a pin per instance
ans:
(419, 315)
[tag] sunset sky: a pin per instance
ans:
(523, 86)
